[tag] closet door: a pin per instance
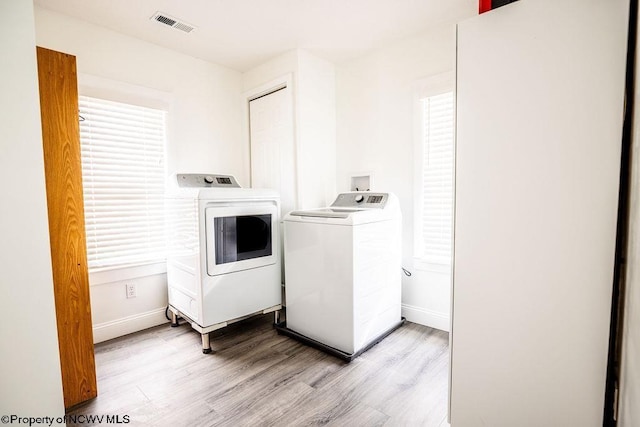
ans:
(63, 174)
(272, 146)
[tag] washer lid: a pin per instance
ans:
(326, 213)
(351, 209)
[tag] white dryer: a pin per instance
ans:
(343, 272)
(223, 261)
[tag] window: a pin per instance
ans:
(435, 210)
(123, 173)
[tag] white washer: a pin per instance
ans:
(343, 271)
(223, 261)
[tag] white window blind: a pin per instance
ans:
(437, 179)
(123, 176)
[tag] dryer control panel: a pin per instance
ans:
(363, 200)
(206, 180)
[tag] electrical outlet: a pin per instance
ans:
(131, 290)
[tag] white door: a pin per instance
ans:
(540, 89)
(272, 146)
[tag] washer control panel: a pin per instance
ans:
(206, 180)
(364, 199)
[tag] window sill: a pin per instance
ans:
(101, 276)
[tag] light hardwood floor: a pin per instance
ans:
(255, 377)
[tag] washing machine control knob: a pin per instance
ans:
(359, 198)
(208, 179)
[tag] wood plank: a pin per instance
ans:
(63, 173)
(257, 377)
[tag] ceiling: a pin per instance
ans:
(241, 34)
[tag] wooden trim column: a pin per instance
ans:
(63, 173)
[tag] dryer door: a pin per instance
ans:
(240, 237)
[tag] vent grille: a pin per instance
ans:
(184, 27)
(166, 19)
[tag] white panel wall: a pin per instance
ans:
(204, 135)
(375, 133)
(31, 382)
(629, 411)
(540, 97)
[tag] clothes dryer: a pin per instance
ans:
(223, 261)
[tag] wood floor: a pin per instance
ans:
(255, 377)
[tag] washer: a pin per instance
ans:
(223, 261)
(343, 272)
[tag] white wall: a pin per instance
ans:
(204, 123)
(316, 106)
(375, 133)
(313, 81)
(31, 382)
(629, 410)
(204, 135)
(270, 70)
(540, 94)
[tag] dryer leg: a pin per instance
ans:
(276, 317)
(206, 345)
(174, 319)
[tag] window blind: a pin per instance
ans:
(437, 178)
(123, 172)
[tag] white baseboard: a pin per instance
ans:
(128, 325)
(422, 316)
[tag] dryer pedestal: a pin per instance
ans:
(204, 332)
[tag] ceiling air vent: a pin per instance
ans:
(163, 18)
